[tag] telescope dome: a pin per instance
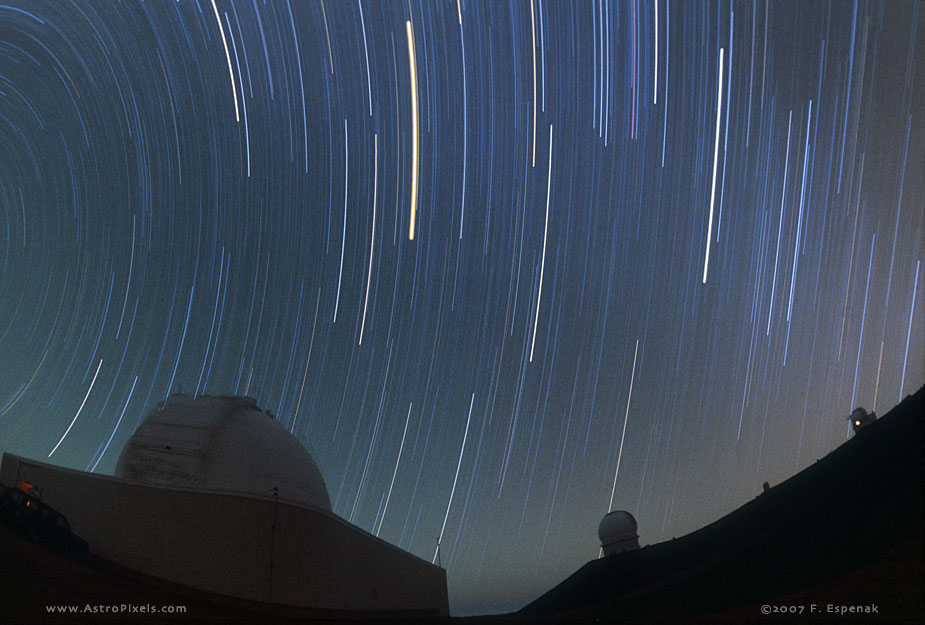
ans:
(617, 532)
(222, 443)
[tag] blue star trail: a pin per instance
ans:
(498, 265)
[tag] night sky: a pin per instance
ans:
(501, 267)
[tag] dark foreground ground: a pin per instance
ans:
(845, 532)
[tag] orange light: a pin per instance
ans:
(857, 423)
(24, 486)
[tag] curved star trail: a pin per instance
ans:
(348, 210)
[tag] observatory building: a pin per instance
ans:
(617, 532)
(214, 494)
(860, 418)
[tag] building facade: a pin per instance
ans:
(213, 494)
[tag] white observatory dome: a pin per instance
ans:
(222, 443)
(617, 532)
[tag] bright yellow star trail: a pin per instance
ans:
(180, 180)
(414, 129)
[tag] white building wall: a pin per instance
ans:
(222, 543)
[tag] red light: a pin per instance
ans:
(24, 486)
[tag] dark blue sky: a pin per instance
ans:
(660, 249)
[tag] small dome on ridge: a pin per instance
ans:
(617, 532)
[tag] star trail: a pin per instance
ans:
(498, 265)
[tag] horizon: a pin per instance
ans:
(500, 268)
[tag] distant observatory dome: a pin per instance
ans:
(860, 418)
(617, 532)
(221, 443)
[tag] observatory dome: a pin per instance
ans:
(221, 443)
(617, 532)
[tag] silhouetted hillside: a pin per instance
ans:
(845, 531)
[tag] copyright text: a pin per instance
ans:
(816, 608)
